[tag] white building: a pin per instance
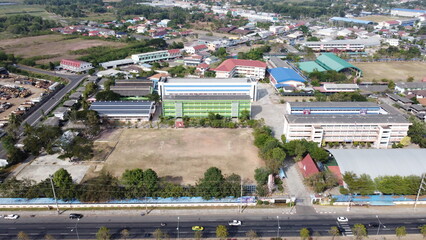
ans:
(156, 56)
(241, 68)
(207, 86)
(75, 65)
(407, 12)
(344, 122)
(392, 41)
(195, 49)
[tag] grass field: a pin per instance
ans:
(379, 18)
(396, 71)
(19, 8)
(55, 46)
(183, 155)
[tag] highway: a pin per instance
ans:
(61, 227)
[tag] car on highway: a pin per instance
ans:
(75, 215)
(342, 219)
(11, 216)
(163, 224)
(373, 225)
(197, 228)
(234, 223)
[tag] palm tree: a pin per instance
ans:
(125, 233)
(22, 236)
(334, 231)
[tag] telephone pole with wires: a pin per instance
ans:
(54, 194)
(421, 187)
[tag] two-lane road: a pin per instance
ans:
(62, 227)
(74, 81)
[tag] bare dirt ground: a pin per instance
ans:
(43, 166)
(396, 71)
(54, 46)
(183, 155)
(17, 101)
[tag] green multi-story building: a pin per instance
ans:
(201, 105)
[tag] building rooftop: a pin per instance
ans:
(333, 104)
(399, 98)
(122, 108)
(381, 162)
(207, 97)
(340, 86)
(411, 84)
(230, 64)
(353, 20)
(311, 66)
(277, 62)
(208, 80)
(347, 119)
(332, 62)
(409, 10)
(116, 62)
(281, 74)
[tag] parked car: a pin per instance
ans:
(234, 223)
(11, 216)
(342, 219)
(197, 228)
(75, 216)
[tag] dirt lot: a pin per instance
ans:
(183, 155)
(43, 166)
(54, 46)
(396, 71)
(17, 101)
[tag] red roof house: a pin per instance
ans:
(308, 167)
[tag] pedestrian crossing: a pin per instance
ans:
(345, 229)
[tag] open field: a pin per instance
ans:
(183, 155)
(55, 47)
(19, 8)
(396, 71)
(379, 18)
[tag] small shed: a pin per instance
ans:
(75, 96)
(51, 122)
(69, 103)
(61, 112)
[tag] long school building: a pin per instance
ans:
(198, 97)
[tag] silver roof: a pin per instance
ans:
(381, 162)
(345, 119)
(209, 80)
(332, 104)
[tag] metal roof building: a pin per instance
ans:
(350, 20)
(124, 110)
(329, 61)
(381, 162)
(285, 77)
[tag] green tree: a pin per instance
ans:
(107, 95)
(211, 185)
(334, 231)
(391, 85)
(63, 181)
(359, 231)
(222, 232)
(125, 233)
(154, 97)
(22, 236)
(251, 234)
(304, 233)
(423, 230)
(103, 233)
(158, 234)
(133, 181)
(150, 181)
(400, 232)
(14, 122)
(261, 175)
(79, 148)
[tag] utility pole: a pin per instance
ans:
(421, 187)
(241, 196)
(178, 229)
(54, 194)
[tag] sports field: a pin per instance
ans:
(396, 71)
(183, 155)
(53, 47)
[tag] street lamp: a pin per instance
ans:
(178, 229)
(380, 223)
(76, 228)
(278, 228)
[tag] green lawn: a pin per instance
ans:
(35, 10)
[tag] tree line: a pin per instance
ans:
(363, 184)
(70, 8)
(25, 24)
(132, 184)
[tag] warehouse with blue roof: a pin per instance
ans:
(350, 20)
(282, 77)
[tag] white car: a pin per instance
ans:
(11, 216)
(342, 219)
(234, 223)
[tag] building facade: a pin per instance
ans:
(324, 122)
(241, 68)
(156, 56)
(407, 12)
(75, 65)
(208, 87)
(124, 110)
